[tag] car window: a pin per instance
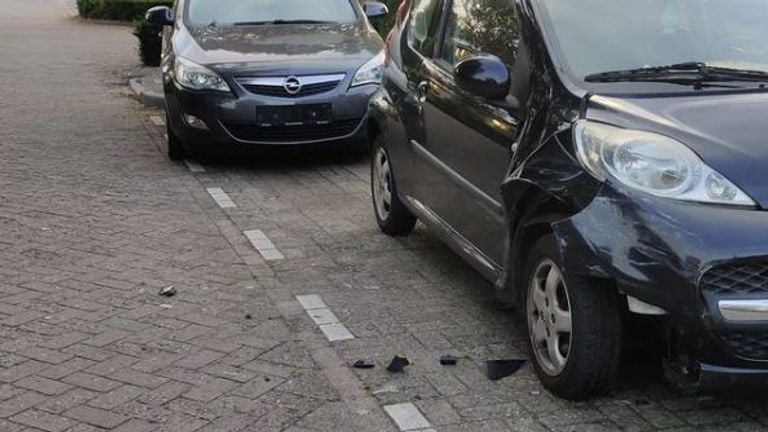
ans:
(481, 27)
(635, 34)
(227, 12)
(422, 27)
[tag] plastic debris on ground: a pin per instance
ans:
(364, 364)
(449, 360)
(498, 369)
(168, 291)
(398, 364)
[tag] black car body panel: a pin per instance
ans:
(333, 52)
(491, 181)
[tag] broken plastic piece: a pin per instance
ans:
(364, 364)
(168, 291)
(397, 364)
(449, 360)
(498, 369)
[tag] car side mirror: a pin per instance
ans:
(160, 15)
(375, 10)
(485, 76)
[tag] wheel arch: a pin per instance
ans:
(532, 212)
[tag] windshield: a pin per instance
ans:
(608, 35)
(229, 12)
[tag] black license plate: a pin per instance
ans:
(294, 115)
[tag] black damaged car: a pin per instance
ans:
(595, 166)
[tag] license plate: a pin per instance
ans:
(293, 115)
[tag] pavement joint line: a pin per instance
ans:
(324, 318)
(222, 199)
(263, 245)
(194, 166)
(408, 417)
(157, 120)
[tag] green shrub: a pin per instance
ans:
(117, 10)
(150, 42)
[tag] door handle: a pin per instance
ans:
(421, 92)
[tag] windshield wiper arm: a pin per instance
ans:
(682, 73)
(281, 21)
(647, 72)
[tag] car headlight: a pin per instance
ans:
(196, 77)
(370, 72)
(652, 163)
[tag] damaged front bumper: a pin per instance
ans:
(707, 266)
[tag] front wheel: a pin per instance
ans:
(574, 329)
(392, 215)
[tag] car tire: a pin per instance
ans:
(581, 320)
(175, 147)
(392, 215)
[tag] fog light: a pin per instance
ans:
(194, 122)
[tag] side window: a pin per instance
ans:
(481, 27)
(422, 27)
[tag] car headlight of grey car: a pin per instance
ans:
(193, 76)
(652, 163)
(370, 72)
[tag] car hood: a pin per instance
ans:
(310, 47)
(728, 131)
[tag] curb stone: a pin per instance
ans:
(147, 97)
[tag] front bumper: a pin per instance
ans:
(231, 118)
(692, 260)
(713, 378)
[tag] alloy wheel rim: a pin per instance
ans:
(382, 184)
(550, 326)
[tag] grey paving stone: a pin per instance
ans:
(91, 382)
(43, 420)
(43, 385)
(20, 403)
(96, 417)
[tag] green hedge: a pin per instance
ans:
(117, 10)
(150, 42)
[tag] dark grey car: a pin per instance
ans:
(248, 73)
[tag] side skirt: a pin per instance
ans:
(454, 240)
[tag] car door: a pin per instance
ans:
(416, 48)
(470, 138)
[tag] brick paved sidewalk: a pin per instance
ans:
(94, 222)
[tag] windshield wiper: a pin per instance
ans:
(281, 21)
(681, 73)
